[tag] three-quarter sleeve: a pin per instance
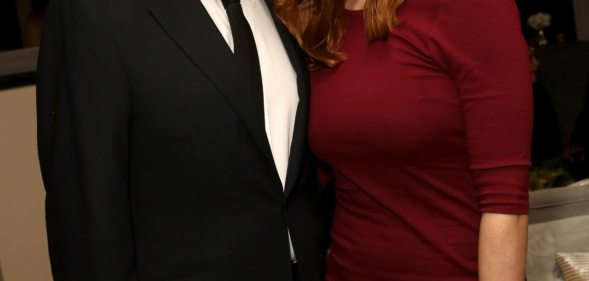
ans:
(479, 43)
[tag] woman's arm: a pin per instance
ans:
(502, 247)
(480, 44)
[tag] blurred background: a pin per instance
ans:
(557, 32)
(20, 23)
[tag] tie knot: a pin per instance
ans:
(226, 3)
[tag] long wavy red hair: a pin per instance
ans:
(318, 25)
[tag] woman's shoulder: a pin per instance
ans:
(425, 9)
(484, 9)
(455, 15)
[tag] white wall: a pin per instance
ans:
(23, 243)
(582, 19)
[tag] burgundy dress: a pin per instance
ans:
(424, 132)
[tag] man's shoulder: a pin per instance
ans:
(97, 13)
(99, 9)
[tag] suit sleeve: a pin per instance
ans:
(480, 44)
(83, 124)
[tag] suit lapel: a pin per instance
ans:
(297, 59)
(187, 21)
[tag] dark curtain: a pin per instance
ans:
(546, 139)
(579, 165)
(10, 37)
(39, 5)
(581, 132)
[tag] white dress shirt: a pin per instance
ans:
(278, 76)
(279, 79)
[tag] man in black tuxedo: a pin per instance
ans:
(172, 141)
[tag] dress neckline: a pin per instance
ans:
(354, 11)
(354, 14)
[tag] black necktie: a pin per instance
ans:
(244, 48)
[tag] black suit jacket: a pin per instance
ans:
(155, 161)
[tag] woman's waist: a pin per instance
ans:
(384, 242)
(378, 229)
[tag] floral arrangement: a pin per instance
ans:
(540, 21)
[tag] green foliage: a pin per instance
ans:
(552, 173)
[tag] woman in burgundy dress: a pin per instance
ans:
(422, 109)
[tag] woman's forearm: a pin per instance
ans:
(502, 247)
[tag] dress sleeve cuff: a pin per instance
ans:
(503, 190)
